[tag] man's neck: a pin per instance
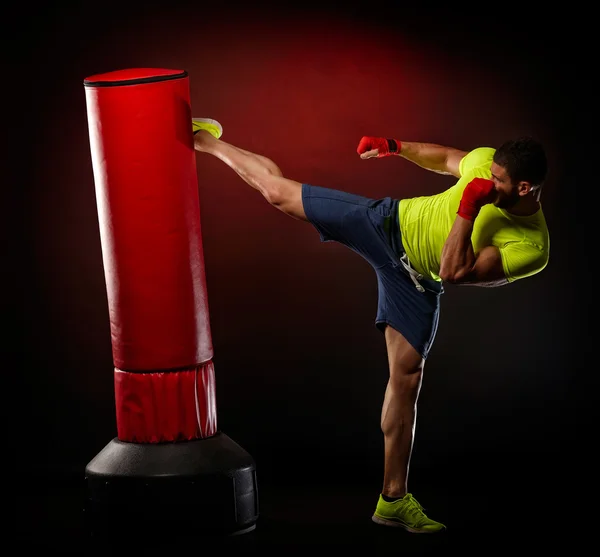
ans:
(525, 208)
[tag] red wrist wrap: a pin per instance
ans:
(478, 193)
(384, 146)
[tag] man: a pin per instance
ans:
(486, 230)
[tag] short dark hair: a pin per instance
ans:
(524, 159)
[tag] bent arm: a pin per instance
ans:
(460, 265)
(436, 158)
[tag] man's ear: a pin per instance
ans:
(524, 187)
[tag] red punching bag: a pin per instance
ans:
(168, 461)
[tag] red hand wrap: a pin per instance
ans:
(385, 146)
(478, 193)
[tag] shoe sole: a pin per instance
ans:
(395, 524)
(214, 123)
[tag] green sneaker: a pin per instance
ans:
(211, 126)
(406, 513)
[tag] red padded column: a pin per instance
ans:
(146, 184)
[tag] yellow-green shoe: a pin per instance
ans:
(211, 126)
(405, 513)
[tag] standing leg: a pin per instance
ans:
(398, 416)
(397, 507)
(257, 171)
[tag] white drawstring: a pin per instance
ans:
(416, 277)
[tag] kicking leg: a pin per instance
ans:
(257, 171)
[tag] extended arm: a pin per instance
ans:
(430, 156)
(437, 158)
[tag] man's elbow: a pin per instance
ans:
(451, 279)
(455, 276)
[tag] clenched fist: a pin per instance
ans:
(369, 147)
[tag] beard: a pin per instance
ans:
(507, 201)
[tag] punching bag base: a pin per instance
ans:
(205, 486)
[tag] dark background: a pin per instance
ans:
(300, 367)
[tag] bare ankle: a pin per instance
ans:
(394, 493)
(202, 140)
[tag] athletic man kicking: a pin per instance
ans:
(488, 229)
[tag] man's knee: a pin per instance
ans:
(272, 191)
(285, 195)
(278, 190)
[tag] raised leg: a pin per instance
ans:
(257, 171)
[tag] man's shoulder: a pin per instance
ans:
(477, 161)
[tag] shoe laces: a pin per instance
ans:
(414, 508)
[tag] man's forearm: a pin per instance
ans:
(428, 155)
(458, 256)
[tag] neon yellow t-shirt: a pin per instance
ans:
(425, 223)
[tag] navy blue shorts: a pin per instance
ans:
(369, 227)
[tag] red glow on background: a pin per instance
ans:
(301, 91)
